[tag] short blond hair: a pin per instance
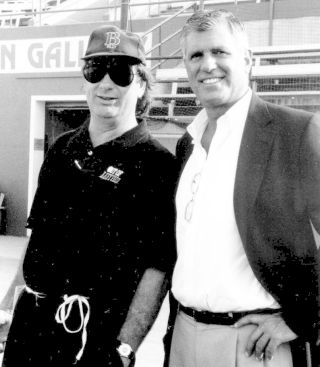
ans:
(202, 21)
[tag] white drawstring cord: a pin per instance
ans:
(63, 313)
(36, 294)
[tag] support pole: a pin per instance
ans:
(271, 17)
(124, 14)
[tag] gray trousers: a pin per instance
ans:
(200, 345)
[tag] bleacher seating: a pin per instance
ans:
(19, 13)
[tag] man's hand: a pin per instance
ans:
(5, 322)
(271, 331)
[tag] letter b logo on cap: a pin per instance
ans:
(112, 39)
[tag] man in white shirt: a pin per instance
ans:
(246, 281)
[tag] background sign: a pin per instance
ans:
(42, 55)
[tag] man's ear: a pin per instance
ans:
(248, 59)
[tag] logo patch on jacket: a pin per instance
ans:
(112, 174)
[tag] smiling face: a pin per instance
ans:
(218, 66)
(112, 103)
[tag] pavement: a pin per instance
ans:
(150, 353)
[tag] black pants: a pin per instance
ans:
(36, 339)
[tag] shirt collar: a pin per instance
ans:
(238, 110)
(81, 138)
(197, 126)
(132, 136)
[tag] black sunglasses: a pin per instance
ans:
(118, 68)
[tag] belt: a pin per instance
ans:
(222, 318)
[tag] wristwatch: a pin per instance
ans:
(125, 350)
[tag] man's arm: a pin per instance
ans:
(144, 308)
(272, 330)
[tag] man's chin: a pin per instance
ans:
(212, 101)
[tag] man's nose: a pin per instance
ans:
(106, 81)
(209, 63)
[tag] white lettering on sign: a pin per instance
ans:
(7, 57)
(61, 54)
(42, 55)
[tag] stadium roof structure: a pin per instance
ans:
(77, 11)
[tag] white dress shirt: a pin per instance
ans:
(212, 271)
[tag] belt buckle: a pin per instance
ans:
(231, 316)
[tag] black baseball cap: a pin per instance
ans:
(112, 41)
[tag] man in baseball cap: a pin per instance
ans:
(118, 53)
(102, 245)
